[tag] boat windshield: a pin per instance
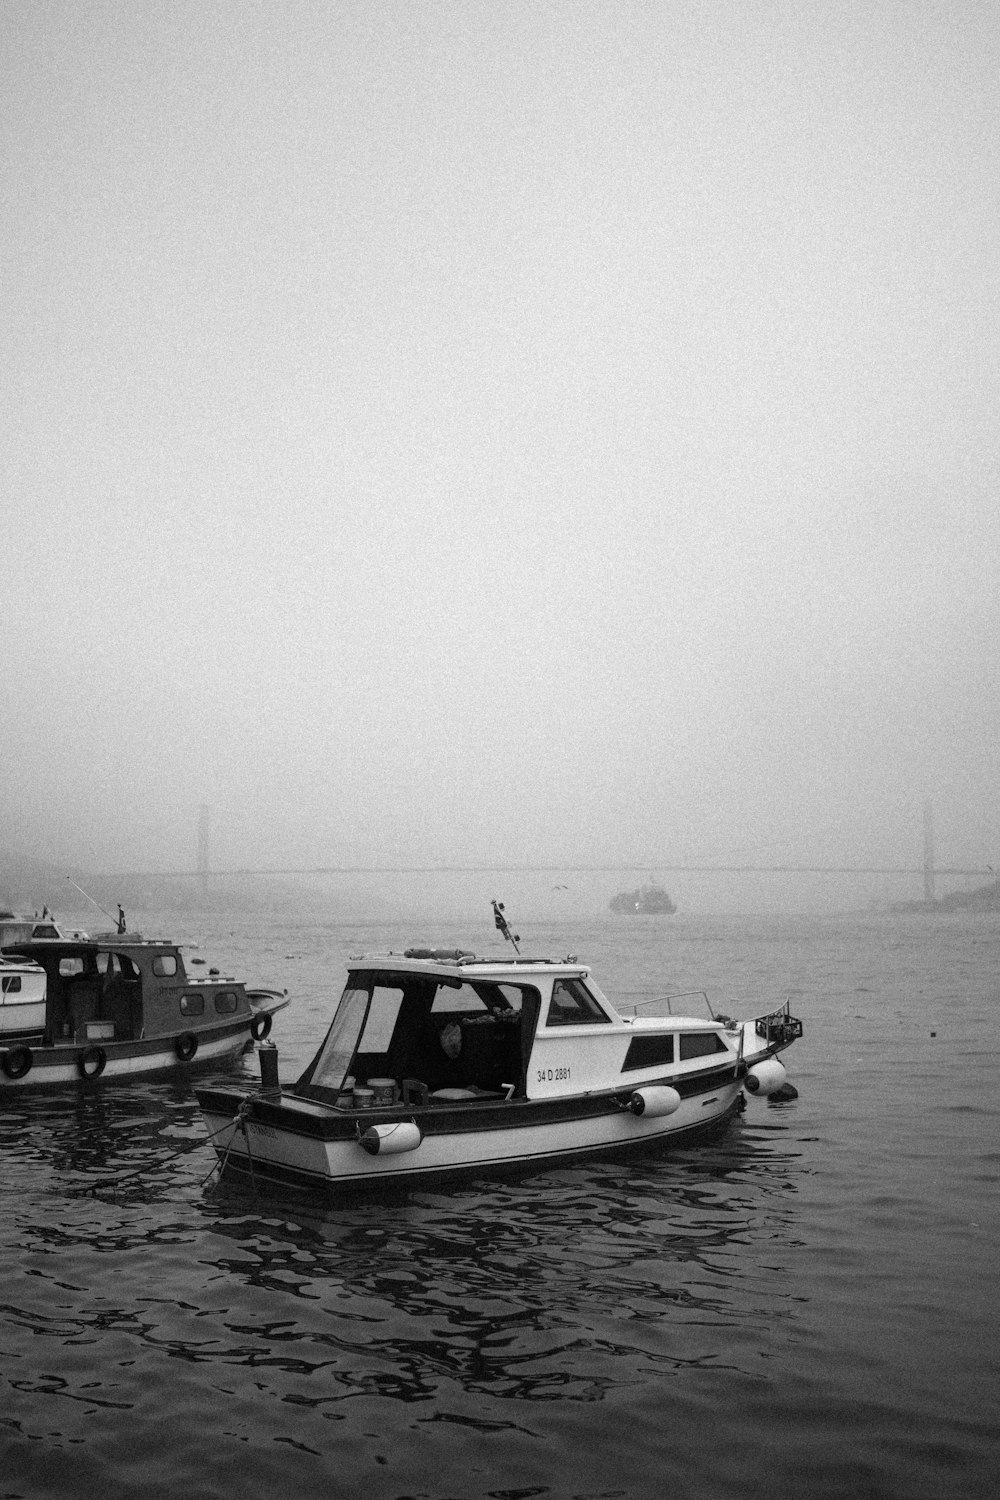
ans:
(445, 1032)
(330, 1068)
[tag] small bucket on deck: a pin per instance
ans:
(383, 1092)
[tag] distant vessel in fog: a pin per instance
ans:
(648, 900)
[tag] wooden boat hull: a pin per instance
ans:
(27, 1063)
(300, 1142)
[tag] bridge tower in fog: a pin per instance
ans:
(203, 848)
(928, 852)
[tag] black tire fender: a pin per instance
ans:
(186, 1046)
(91, 1062)
(17, 1062)
(260, 1026)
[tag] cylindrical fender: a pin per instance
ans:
(91, 1062)
(764, 1077)
(654, 1100)
(390, 1140)
(17, 1062)
(260, 1026)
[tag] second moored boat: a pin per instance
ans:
(120, 1006)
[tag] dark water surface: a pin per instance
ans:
(808, 1307)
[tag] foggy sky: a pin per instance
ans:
(500, 431)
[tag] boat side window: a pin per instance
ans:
(70, 967)
(503, 1000)
(381, 1020)
(334, 1059)
(700, 1044)
(572, 1004)
(165, 965)
(11, 984)
(192, 1005)
(649, 1052)
(478, 999)
(227, 1002)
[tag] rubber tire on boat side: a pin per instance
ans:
(186, 1046)
(260, 1027)
(91, 1062)
(17, 1062)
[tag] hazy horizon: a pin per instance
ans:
(524, 434)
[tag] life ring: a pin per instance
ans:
(91, 1062)
(186, 1046)
(260, 1026)
(17, 1062)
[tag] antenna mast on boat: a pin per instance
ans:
(119, 920)
(504, 926)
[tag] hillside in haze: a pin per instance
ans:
(983, 898)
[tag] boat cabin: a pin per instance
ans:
(14, 929)
(453, 1026)
(124, 988)
(48, 927)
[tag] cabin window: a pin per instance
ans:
(42, 930)
(68, 967)
(381, 1022)
(192, 1005)
(700, 1044)
(227, 1002)
(648, 1052)
(572, 1004)
(165, 965)
(115, 966)
(11, 984)
(478, 998)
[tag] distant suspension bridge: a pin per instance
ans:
(927, 869)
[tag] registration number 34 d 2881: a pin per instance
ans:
(552, 1075)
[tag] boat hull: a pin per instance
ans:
(27, 1063)
(296, 1141)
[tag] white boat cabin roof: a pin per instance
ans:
(450, 962)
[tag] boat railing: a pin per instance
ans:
(779, 1027)
(663, 1005)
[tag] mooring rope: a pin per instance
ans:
(239, 1119)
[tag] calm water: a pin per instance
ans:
(808, 1308)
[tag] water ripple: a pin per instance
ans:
(821, 1279)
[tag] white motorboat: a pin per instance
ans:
(120, 1006)
(439, 1062)
(22, 999)
(14, 928)
(46, 926)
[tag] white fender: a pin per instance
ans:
(764, 1077)
(654, 1100)
(390, 1140)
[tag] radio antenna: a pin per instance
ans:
(97, 903)
(504, 926)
